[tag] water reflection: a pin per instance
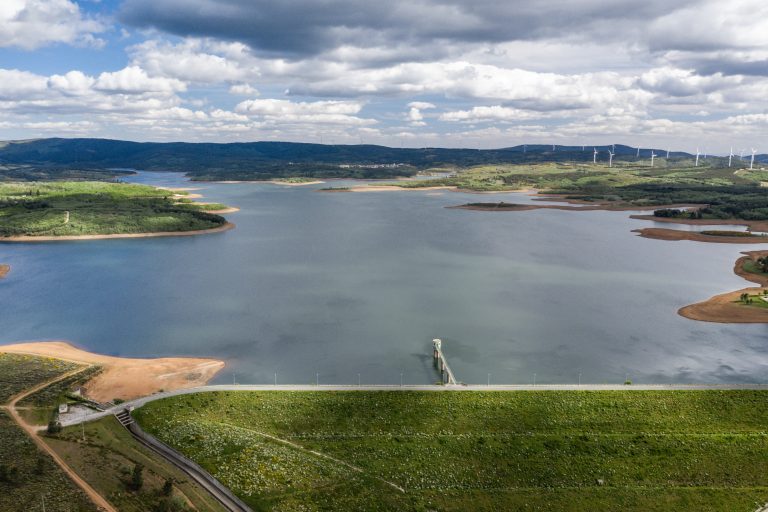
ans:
(341, 284)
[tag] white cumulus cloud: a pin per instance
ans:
(30, 24)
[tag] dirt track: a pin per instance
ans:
(31, 431)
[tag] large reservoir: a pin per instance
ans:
(335, 287)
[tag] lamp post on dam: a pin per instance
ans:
(441, 363)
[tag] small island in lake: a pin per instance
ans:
(4, 269)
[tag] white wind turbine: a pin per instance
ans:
(638, 152)
(594, 156)
(730, 157)
(741, 155)
(697, 157)
(610, 158)
(752, 162)
(653, 157)
(667, 153)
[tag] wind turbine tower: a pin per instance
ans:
(653, 157)
(752, 162)
(697, 157)
(667, 153)
(730, 157)
(638, 152)
(610, 158)
(594, 156)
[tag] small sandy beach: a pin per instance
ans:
(27, 239)
(127, 378)
(4, 269)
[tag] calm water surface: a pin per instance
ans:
(338, 284)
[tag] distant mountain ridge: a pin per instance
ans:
(274, 159)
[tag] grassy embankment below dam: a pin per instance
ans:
(547, 450)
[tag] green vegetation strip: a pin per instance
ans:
(96, 208)
(643, 450)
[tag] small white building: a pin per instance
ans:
(63, 408)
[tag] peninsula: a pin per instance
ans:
(741, 306)
(51, 211)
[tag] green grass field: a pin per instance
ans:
(89, 208)
(574, 451)
(20, 372)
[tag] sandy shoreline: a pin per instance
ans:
(753, 225)
(4, 269)
(572, 206)
(723, 308)
(228, 209)
(390, 188)
(231, 209)
(272, 182)
(396, 188)
(675, 235)
(27, 239)
(127, 378)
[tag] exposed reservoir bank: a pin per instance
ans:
(340, 287)
(126, 378)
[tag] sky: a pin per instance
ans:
(413, 73)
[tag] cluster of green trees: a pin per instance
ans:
(167, 502)
(748, 202)
(763, 263)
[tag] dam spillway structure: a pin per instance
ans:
(441, 363)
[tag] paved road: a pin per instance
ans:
(32, 430)
(427, 387)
